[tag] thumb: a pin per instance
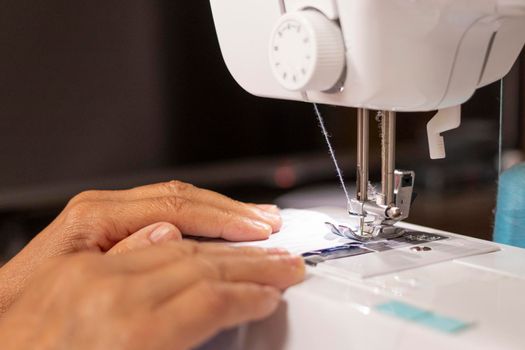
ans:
(154, 234)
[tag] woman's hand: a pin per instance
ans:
(119, 221)
(173, 296)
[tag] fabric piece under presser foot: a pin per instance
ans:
(347, 232)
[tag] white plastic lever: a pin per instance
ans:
(445, 120)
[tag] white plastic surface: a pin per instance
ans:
(338, 312)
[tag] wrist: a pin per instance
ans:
(14, 276)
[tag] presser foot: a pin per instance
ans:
(375, 221)
(367, 232)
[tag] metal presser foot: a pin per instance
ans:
(370, 232)
(366, 231)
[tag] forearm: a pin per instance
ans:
(7, 292)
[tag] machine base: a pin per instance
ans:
(432, 299)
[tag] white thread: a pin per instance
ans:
(332, 152)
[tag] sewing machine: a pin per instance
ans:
(388, 56)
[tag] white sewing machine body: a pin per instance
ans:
(401, 55)
(385, 55)
(338, 310)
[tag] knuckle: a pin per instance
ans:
(81, 223)
(84, 196)
(81, 211)
(178, 187)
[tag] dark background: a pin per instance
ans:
(118, 93)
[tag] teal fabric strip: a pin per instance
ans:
(443, 324)
(423, 317)
(401, 310)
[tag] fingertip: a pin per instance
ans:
(259, 231)
(277, 226)
(261, 227)
(247, 230)
(274, 219)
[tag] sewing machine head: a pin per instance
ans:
(402, 55)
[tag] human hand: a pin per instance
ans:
(119, 221)
(172, 296)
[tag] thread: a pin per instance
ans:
(510, 211)
(320, 119)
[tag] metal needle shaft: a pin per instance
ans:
(362, 153)
(388, 157)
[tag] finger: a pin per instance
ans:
(183, 190)
(154, 234)
(156, 190)
(278, 271)
(218, 200)
(192, 218)
(173, 188)
(209, 307)
(211, 198)
(157, 256)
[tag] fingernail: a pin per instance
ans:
(277, 251)
(261, 226)
(161, 233)
(269, 207)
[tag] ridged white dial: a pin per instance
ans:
(307, 51)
